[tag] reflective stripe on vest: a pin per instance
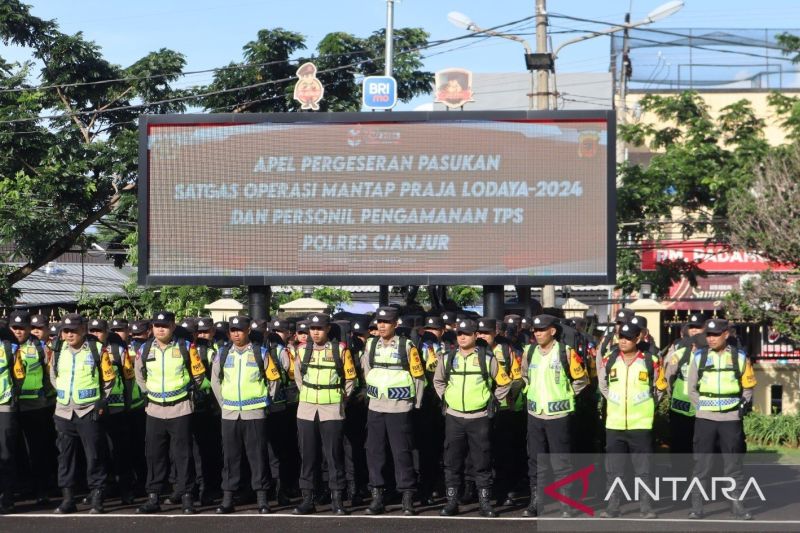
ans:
(719, 388)
(680, 401)
(167, 378)
(243, 388)
(321, 384)
(466, 390)
(549, 390)
(77, 379)
(388, 379)
(630, 397)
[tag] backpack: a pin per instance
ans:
(337, 359)
(257, 349)
(402, 348)
(482, 353)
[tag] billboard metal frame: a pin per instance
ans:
(145, 121)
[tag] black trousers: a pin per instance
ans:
(681, 429)
(636, 443)
(40, 438)
(169, 438)
(118, 429)
(281, 432)
(467, 435)
(72, 434)
(9, 433)
(207, 450)
(245, 438)
(396, 429)
(508, 449)
(548, 437)
(355, 432)
(729, 436)
(429, 439)
(138, 424)
(315, 439)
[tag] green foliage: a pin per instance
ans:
(332, 296)
(773, 298)
(772, 430)
(465, 295)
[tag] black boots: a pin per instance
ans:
(337, 502)
(307, 505)
(408, 503)
(451, 509)
(97, 502)
(376, 507)
(226, 507)
(739, 511)
(469, 495)
(696, 512)
(187, 502)
(262, 501)
(67, 503)
(355, 495)
(280, 494)
(151, 505)
(485, 501)
(612, 508)
(532, 510)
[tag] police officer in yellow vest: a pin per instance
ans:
(676, 372)
(84, 376)
(471, 382)
(167, 370)
(14, 365)
(324, 373)
(721, 382)
(395, 380)
(554, 375)
(243, 379)
(429, 422)
(632, 382)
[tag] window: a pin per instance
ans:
(776, 399)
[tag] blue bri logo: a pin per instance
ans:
(379, 92)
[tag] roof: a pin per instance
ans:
(59, 283)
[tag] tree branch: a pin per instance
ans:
(81, 126)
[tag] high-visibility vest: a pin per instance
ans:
(631, 404)
(389, 376)
(679, 401)
(323, 376)
(168, 379)
(469, 383)
(244, 385)
(33, 387)
(549, 389)
(719, 379)
(78, 376)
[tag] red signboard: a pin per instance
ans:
(709, 257)
(707, 296)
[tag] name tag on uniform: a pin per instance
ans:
(642, 376)
(612, 376)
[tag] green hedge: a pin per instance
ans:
(773, 430)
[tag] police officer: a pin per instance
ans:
(241, 382)
(167, 370)
(84, 376)
(324, 373)
(676, 372)
(355, 419)
(554, 376)
(611, 337)
(139, 333)
(395, 379)
(632, 382)
(116, 423)
(721, 382)
(646, 344)
(507, 442)
(470, 381)
(13, 366)
(36, 404)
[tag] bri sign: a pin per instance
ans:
(379, 92)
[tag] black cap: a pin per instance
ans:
(373, 324)
(716, 325)
(525, 322)
(434, 322)
(204, 323)
(280, 325)
(544, 322)
(515, 320)
(623, 315)
(639, 321)
(189, 325)
(696, 320)
(72, 321)
(318, 320)
(487, 325)
(53, 330)
(39, 321)
(449, 318)
(19, 319)
(119, 324)
(387, 314)
(466, 326)
(163, 318)
(98, 324)
(629, 331)
(360, 325)
(239, 322)
(139, 326)
(221, 326)
(301, 327)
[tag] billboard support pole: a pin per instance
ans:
(258, 297)
(493, 301)
(383, 295)
(524, 298)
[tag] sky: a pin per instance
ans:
(211, 33)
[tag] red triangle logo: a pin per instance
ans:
(583, 474)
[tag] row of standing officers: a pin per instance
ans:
(276, 403)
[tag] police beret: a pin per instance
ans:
(466, 326)
(72, 321)
(629, 331)
(716, 325)
(163, 318)
(204, 324)
(487, 325)
(387, 314)
(39, 321)
(97, 324)
(696, 320)
(19, 319)
(119, 324)
(318, 320)
(239, 322)
(639, 321)
(544, 322)
(434, 322)
(624, 315)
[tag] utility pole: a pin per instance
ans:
(626, 71)
(543, 91)
(383, 290)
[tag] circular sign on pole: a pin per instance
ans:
(379, 92)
